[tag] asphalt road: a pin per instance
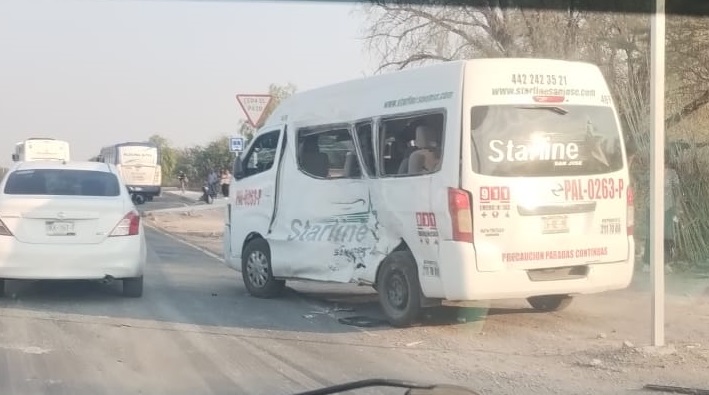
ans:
(195, 331)
(166, 201)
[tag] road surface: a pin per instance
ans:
(195, 331)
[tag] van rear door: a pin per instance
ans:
(551, 189)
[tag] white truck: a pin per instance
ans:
(41, 148)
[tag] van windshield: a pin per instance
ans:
(545, 140)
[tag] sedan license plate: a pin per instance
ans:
(60, 228)
(555, 224)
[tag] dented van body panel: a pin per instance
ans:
(531, 148)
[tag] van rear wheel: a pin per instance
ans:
(550, 303)
(399, 289)
(256, 270)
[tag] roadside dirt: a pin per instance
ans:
(598, 345)
(203, 228)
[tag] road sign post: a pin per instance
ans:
(254, 107)
(236, 144)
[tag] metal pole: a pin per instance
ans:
(657, 171)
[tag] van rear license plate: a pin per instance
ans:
(60, 228)
(555, 224)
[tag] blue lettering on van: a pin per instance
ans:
(331, 232)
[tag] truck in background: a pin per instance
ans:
(41, 148)
(138, 164)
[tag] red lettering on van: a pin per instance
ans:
(594, 189)
(426, 227)
(425, 220)
(494, 194)
(247, 197)
(553, 255)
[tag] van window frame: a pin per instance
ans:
(410, 114)
(252, 147)
(372, 122)
(303, 131)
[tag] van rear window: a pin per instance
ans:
(62, 182)
(541, 141)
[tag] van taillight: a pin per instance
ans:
(631, 211)
(460, 208)
(129, 225)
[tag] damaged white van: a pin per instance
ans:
(469, 180)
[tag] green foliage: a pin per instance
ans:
(168, 154)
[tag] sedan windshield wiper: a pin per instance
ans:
(555, 109)
(413, 388)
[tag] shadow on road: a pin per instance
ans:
(184, 286)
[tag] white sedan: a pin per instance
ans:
(70, 221)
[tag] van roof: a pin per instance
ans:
(333, 102)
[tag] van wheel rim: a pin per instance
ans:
(257, 269)
(398, 291)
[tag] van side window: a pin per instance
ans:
(412, 145)
(262, 154)
(327, 153)
(364, 137)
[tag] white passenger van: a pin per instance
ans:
(468, 180)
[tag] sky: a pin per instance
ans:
(99, 72)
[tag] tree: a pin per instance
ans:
(168, 157)
(404, 35)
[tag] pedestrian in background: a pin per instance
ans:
(182, 177)
(672, 210)
(226, 180)
(213, 181)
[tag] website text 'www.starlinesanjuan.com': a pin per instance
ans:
(534, 90)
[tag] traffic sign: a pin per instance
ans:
(236, 144)
(254, 106)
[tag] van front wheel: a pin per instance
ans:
(399, 289)
(256, 270)
(550, 303)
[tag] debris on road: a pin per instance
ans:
(362, 321)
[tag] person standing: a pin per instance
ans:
(212, 181)
(226, 180)
(672, 209)
(182, 177)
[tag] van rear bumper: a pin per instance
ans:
(461, 281)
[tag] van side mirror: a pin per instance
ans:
(15, 157)
(238, 169)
